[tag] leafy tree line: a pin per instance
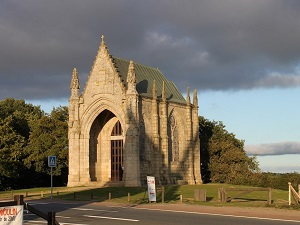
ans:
(224, 160)
(28, 136)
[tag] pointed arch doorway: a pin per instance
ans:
(106, 148)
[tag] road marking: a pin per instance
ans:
(224, 215)
(97, 210)
(63, 217)
(35, 221)
(111, 218)
(43, 221)
(72, 223)
(38, 203)
(28, 214)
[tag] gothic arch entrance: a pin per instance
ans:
(106, 148)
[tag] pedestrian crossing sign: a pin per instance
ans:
(52, 161)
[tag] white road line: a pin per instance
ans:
(72, 223)
(43, 221)
(97, 210)
(28, 214)
(224, 215)
(38, 203)
(35, 221)
(63, 217)
(111, 218)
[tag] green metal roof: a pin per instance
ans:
(145, 76)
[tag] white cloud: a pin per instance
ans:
(283, 148)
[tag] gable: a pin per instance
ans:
(145, 76)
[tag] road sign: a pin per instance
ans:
(52, 161)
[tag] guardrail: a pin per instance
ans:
(294, 194)
(222, 193)
(19, 200)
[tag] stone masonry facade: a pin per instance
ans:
(130, 122)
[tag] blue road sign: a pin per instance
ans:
(52, 161)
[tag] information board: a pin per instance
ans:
(151, 188)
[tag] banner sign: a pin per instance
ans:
(11, 215)
(151, 188)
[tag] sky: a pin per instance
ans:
(242, 56)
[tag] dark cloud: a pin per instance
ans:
(208, 45)
(284, 148)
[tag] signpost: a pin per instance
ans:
(51, 164)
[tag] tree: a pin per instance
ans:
(223, 157)
(14, 132)
(11, 154)
(49, 137)
(27, 137)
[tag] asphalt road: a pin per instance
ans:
(81, 213)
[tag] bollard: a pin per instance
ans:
(197, 195)
(222, 195)
(128, 197)
(162, 194)
(42, 194)
(19, 199)
(202, 196)
(181, 198)
(109, 196)
(51, 218)
(269, 196)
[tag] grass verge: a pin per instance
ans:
(172, 195)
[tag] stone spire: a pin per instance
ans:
(188, 99)
(131, 79)
(195, 99)
(102, 40)
(102, 45)
(163, 92)
(154, 90)
(164, 136)
(131, 145)
(75, 86)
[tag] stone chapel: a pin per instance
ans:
(130, 122)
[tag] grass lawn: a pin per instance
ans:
(172, 195)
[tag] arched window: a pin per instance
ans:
(142, 141)
(117, 130)
(117, 152)
(174, 138)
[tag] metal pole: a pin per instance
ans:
(51, 182)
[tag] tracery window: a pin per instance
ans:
(117, 130)
(142, 141)
(175, 141)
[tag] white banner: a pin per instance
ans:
(11, 215)
(151, 189)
